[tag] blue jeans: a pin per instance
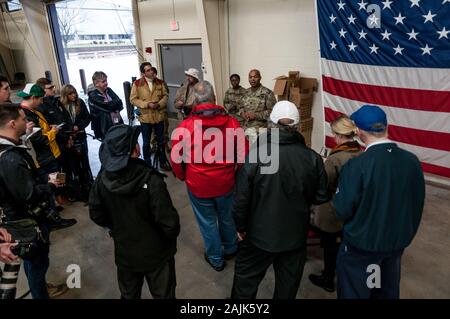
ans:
(353, 273)
(36, 269)
(216, 225)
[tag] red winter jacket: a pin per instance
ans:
(207, 149)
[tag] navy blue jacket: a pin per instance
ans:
(380, 198)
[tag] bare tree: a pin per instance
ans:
(68, 18)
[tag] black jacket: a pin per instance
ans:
(81, 120)
(19, 189)
(52, 110)
(135, 204)
(101, 111)
(274, 209)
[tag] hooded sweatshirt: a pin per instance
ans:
(135, 204)
(210, 151)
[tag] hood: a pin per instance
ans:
(286, 137)
(218, 120)
(128, 180)
(7, 143)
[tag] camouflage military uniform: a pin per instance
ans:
(260, 102)
(232, 102)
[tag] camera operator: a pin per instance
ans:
(21, 195)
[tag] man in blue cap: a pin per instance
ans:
(380, 198)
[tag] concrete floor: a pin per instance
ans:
(424, 268)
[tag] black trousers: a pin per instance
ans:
(161, 281)
(330, 243)
(251, 266)
(356, 274)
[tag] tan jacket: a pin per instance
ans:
(324, 215)
(141, 95)
(187, 98)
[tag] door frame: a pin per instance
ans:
(158, 54)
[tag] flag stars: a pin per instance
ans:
(333, 45)
(413, 35)
(386, 4)
(352, 47)
(341, 5)
(443, 33)
(362, 34)
(415, 3)
(342, 33)
(426, 50)
(445, 1)
(374, 49)
(399, 19)
(351, 19)
(362, 5)
(398, 50)
(429, 16)
(386, 35)
(373, 20)
(332, 18)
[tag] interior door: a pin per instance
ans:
(175, 59)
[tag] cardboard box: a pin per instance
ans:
(306, 128)
(303, 101)
(296, 89)
(284, 83)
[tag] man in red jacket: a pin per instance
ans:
(207, 148)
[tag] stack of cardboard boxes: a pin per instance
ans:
(299, 91)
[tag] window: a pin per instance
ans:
(13, 6)
(91, 37)
(119, 36)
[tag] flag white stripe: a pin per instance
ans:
(421, 120)
(400, 77)
(427, 155)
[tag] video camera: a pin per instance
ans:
(21, 249)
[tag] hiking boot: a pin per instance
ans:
(323, 282)
(55, 222)
(62, 200)
(56, 290)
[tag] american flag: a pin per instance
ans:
(395, 54)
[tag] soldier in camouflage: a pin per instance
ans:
(233, 97)
(256, 105)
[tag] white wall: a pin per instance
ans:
(276, 36)
(155, 17)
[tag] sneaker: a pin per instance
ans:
(56, 290)
(216, 268)
(323, 282)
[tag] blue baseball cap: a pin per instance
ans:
(370, 118)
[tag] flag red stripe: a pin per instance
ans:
(435, 169)
(413, 99)
(429, 168)
(428, 139)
